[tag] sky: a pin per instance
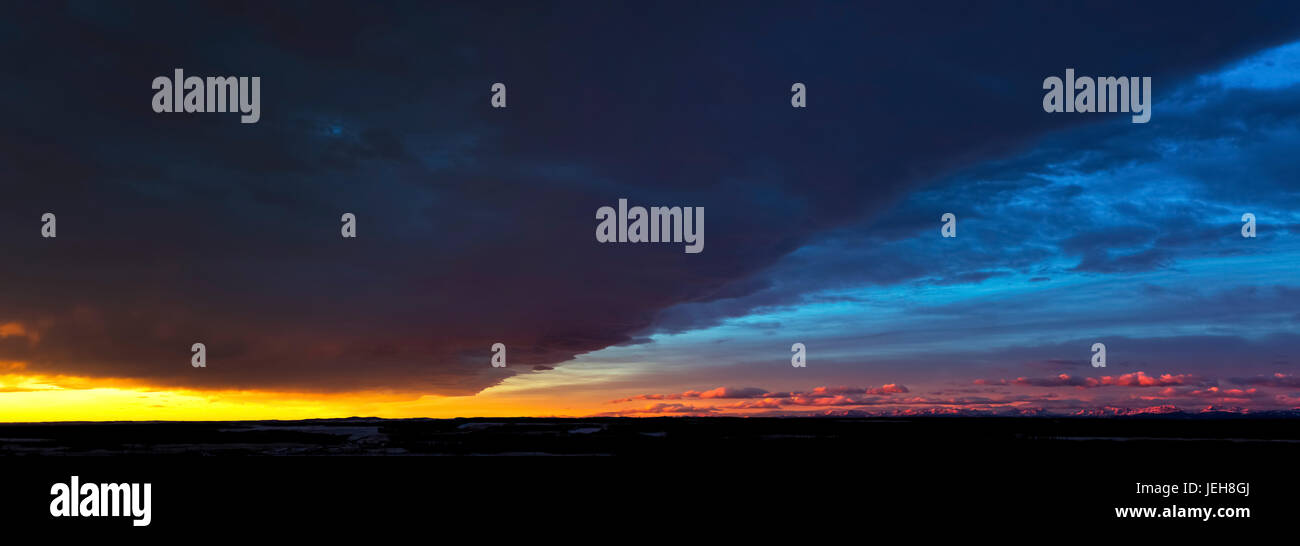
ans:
(475, 224)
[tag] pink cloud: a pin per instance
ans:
(838, 394)
(664, 409)
(1136, 379)
(1216, 392)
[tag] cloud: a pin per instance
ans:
(817, 396)
(1279, 379)
(726, 392)
(662, 408)
(766, 403)
(9, 329)
(1144, 223)
(890, 388)
(1231, 394)
(1165, 393)
(720, 392)
(1136, 379)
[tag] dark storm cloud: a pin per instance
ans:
(476, 225)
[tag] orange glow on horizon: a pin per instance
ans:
(45, 398)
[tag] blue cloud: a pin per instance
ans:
(1111, 231)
